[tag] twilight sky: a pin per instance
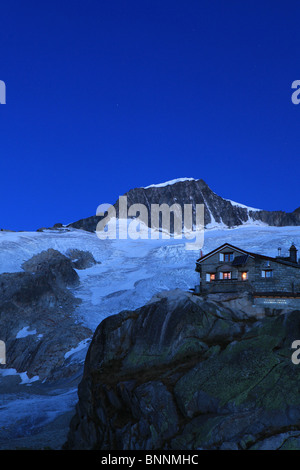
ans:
(107, 95)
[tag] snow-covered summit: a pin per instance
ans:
(218, 211)
(178, 180)
(168, 183)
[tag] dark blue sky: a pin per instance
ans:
(107, 95)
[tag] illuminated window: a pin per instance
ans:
(226, 275)
(244, 276)
(210, 277)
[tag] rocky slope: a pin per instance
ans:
(217, 211)
(35, 319)
(183, 372)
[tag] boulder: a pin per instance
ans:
(54, 266)
(81, 259)
(189, 374)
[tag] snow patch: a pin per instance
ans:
(238, 204)
(25, 380)
(25, 332)
(82, 345)
(168, 183)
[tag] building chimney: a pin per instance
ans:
(279, 252)
(293, 254)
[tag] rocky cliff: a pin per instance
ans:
(35, 318)
(187, 373)
(217, 210)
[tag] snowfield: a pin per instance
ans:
(129, 272)
(127, 275)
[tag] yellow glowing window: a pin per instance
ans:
(244, 276)
(226, 275)
(212, 277)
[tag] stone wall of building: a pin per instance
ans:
(284, 278)
(276, 303)
(214, 265)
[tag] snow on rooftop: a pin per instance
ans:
(168, 183)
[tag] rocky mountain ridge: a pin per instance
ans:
(217, 210)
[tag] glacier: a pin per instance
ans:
(127, 275)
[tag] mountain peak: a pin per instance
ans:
(218, 212)
(169, 183)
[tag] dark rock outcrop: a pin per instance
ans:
(217, 210)
(81, 259)
(35, 316)
(185, 373)
(54, 266)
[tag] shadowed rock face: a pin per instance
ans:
(53, 266)
(38, 303)
(185, 373)
(81, 259)
(194, 192)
